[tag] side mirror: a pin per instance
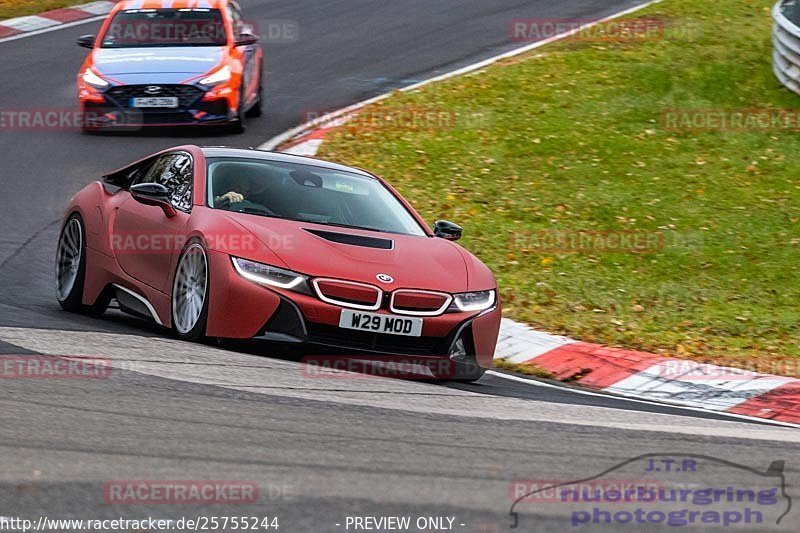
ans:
(153, 194)
(447, 230)
(86, 41)
(246, 39)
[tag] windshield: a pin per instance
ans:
(306, 193)
(165, 27)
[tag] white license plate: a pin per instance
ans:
(157, 101)
(391, 324)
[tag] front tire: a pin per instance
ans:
(462, 371)
(239, 124)
(468, 373)
(258, 108)
(190, 290)
(71, 264)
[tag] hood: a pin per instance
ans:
(186, 61)
(415, 262)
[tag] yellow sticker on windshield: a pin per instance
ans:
(346, 187)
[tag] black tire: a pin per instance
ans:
(465, 371)
(197, 331)
(70, 298)
(239, 124)
(258, 108)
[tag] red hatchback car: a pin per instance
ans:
(171, 63)
(247, 244)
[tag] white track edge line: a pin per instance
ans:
(279, 139)
(636, 399)
(51, 28)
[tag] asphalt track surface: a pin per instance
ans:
(319, 449)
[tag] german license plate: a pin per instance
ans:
(391, 324)
(156, 101)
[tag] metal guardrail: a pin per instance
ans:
(786, 42)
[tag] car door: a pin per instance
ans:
(144, 239)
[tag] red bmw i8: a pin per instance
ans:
(247, 244)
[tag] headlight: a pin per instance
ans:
(94, 80)
(220, 76)
(473, 301)
(270, 275)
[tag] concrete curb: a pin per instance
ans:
(627, 373)
(51, 19)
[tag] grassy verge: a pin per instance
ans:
(17, 8)
(571, 138)
(525, 370)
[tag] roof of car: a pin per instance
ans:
(224, 151)
(172, 4)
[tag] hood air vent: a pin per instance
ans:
(353, 240)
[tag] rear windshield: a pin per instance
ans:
(165, 27)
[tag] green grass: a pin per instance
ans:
(569, 137)
(18, 8)
(525, 370)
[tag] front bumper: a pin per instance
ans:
(240, 309)
(116, 109)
